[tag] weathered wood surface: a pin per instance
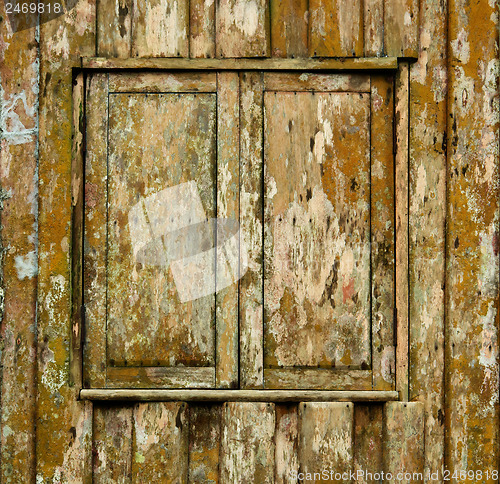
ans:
(228, 185)
(325, 439)
(254, 442)
(403, 440)
(160, 28)
(160, 377)
(335, 28)
(243, 64)
(368, 441)
(401, 195)
(114, 27)
(251, 223)
(112, 444)
(256, 28)
(242, 28)
(316, 191)
(19, 70)
(201, 28)
(94, 271)
(401, 22)
(247, 443)
(289, 28)
(373, 27)
(106, 394)
(63, 430)
(427, 218)
(472, 270)
(148, 322)
(152, 82)
(382, 232)
(204, 443)
(160, 442)
(286, 459)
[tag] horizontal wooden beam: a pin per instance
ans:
(345, 64)
(238, 395)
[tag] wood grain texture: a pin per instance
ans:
(401, 28)
(335, 28)
(150, 323)
(94, 272)
(307, 81)
(112, 444)
(368, 441)
(382, 198)
(283, 396)
(316, 247)
(341, 64)
(19, 71)
(402, 249)
(404, 441)
(160, 28)
(77, 235)
(201, 29)
(151, 82)
(325, 439)
(247, 443)
(373, 28)
(63, 427)
(242, 28)
(114, 28)
(160, 442)
(289, 28)
(158, 376)
(228, 181)
(472, 247)
(427, 227)
(251, 220)
(204, 443)
(286, 460)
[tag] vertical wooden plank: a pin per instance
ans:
(383, 229)
(404, 441)
(19, 81)
(401, 28)
(247, 443)
(160, 28)
(160, 442)
(77, 216)
(114, 28)
(286, 459)
(251, 219)
(228, 177)
(368, 441)
(112, 446)
(289, 28)
(373, 25)
(242, 28)
(204, 443)
(401, 184)
(316, 299)
(201, 28)
(427, 212)
(325, 440)
(335, 28)
(473, 238)
(95, 238)
(63, 422)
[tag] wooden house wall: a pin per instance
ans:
(49, 436)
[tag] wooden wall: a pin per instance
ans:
(257, 28)
(453, 202)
